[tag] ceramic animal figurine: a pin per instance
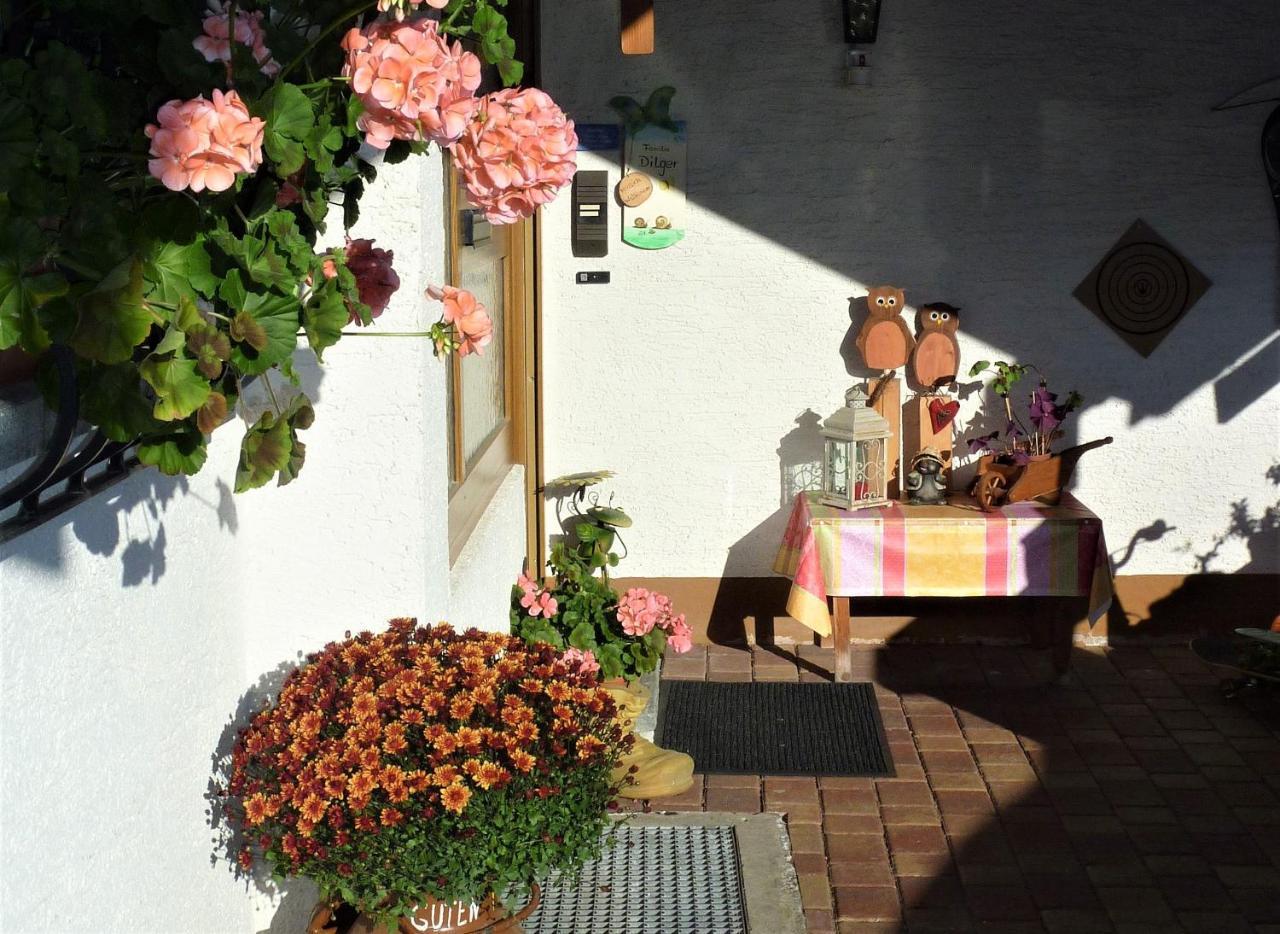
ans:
(885, 341)
(936, 358)
(925, 484)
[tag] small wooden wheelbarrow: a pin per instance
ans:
(1001, 481)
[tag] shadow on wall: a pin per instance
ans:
(295, 897)
(994, 181)
(131, 513)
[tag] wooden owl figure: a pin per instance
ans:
(936, 358)
(885, 341)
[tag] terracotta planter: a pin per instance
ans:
(433, 917)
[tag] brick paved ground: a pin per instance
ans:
(1136, 798)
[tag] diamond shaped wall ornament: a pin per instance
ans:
(1142, 288)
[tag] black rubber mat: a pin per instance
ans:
(774, 728)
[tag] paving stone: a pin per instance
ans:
(1135, 904)
(910, 838)
(1000, 903)
(868, 903)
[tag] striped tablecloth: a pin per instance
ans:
(1026, 549)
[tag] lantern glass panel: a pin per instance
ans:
(837, 473)
(869, 481)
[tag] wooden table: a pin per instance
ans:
(1025, 549)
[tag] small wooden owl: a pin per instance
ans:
(885, 341)
(936, 358)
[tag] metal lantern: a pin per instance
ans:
(855, 457)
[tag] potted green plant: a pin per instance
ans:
(422, 772)
(1019, 463)
(576, 609)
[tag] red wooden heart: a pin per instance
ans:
(942, 413)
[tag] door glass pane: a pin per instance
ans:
(482, 271)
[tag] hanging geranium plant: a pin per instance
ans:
(167, 169)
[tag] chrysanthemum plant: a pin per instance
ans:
(576, 610)
(422, 763)
(166, 170)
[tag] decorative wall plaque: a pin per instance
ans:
(1142, 288)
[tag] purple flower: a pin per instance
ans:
(1045, 414)
(983, 443)
(1021, 458)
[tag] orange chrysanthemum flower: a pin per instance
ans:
(462, 707)
(362, 784)
(394, 739)
(522, 760)
(491, 774)
(255, 809)
(413, 716)
(365, 706)
(455, 797)
(313, 808)
(559, 691)
(445, 775)
(390, 817)
(589, 747)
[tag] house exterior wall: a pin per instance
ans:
(1000, 152)
(141, 628)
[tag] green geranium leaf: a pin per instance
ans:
(264, 452)
(583, 636)
(112, 398)
(172, 340)
(324, 317)
(112, 319)
(232, 290)
(274, 315)
(297, 457)
(173, 270)
(290, 119)
(511, 71)
(179, 387)
(174, 218)
(212, 414)
(183, 452)
(20, 299)
(246, 329)
(210, 348)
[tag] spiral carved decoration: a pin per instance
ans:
(1142, 288)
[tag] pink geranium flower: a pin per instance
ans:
(586, 661)
(517, 153)
(540, 604)
(412, 83)
(215, 44)
(470, 321)
(526, 583)
(375, 278)
(199, 144)
(400, 7)
(680, 638)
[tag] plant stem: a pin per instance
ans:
(266, 378)
(342, 19)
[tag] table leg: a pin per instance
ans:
(1064, 626)
(842, 638)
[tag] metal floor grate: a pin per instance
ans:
(653, 880)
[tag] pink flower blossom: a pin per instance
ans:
(517, 153)
(526, 583)
(201, 144)
(375, 278)
(640, 610)
(539, 603)
(412, 83)
(472, 327)
(586, 661)
(680, 638)
(400, 7)
(215, 44)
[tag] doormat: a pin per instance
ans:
(672, 880)
(775, 728)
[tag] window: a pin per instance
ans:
(490, 396)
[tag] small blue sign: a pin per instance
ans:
(599, 137)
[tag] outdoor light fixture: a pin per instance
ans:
(855, 455)
(861, 20)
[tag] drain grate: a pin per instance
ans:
(653, 880)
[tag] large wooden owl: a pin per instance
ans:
(936, 358)
(885, 341)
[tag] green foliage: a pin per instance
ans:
(171, 301)
(586, 615)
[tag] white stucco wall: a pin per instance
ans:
(482, 575)
(139, 624)
(1001, 151)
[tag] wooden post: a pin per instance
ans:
(637, 27)
(889, 405)
(918, 433)
(842, 638)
